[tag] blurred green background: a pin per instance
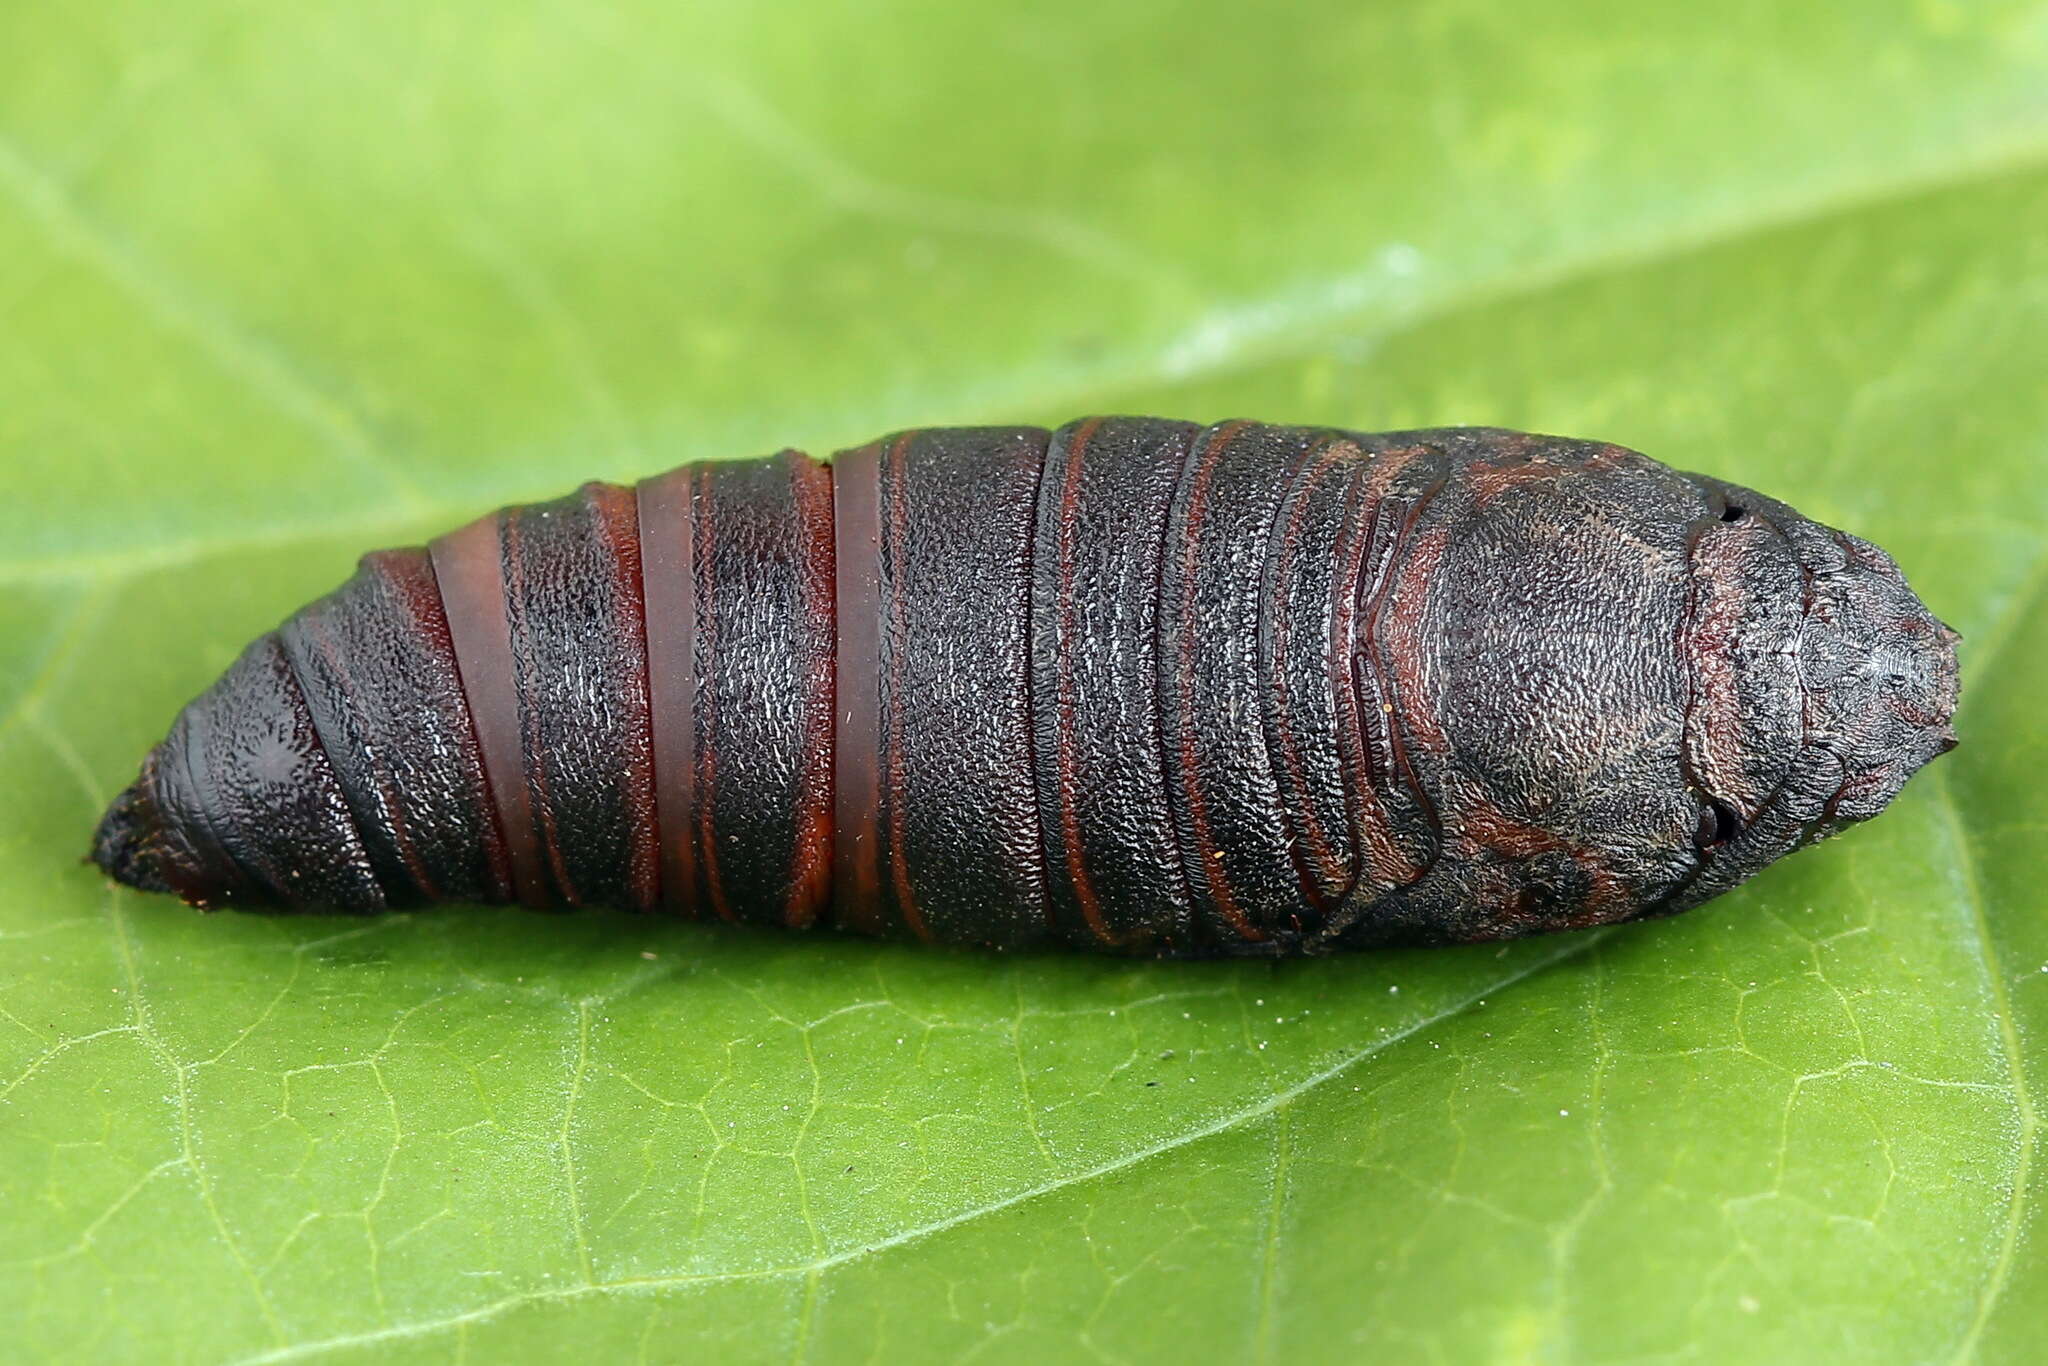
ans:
(279, 283)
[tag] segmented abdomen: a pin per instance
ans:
(1131, 685)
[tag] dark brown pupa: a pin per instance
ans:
(1134, 685)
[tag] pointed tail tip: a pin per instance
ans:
(124, 846)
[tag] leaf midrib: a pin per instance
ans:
(1281, 333)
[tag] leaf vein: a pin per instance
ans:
(653, 1284)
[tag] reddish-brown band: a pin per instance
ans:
(1396, 654)
(1324, 877)
(469, 567)
(856, 749)
(669, 583)
(811, 862)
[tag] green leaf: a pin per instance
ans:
(278, 284)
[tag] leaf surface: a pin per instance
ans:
(281, 284)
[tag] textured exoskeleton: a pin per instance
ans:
(1133, 685)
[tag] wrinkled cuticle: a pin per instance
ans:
(1686, 622)
(1718, 505)
(1705, 860)
(1807, 598)
(1822, 824)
